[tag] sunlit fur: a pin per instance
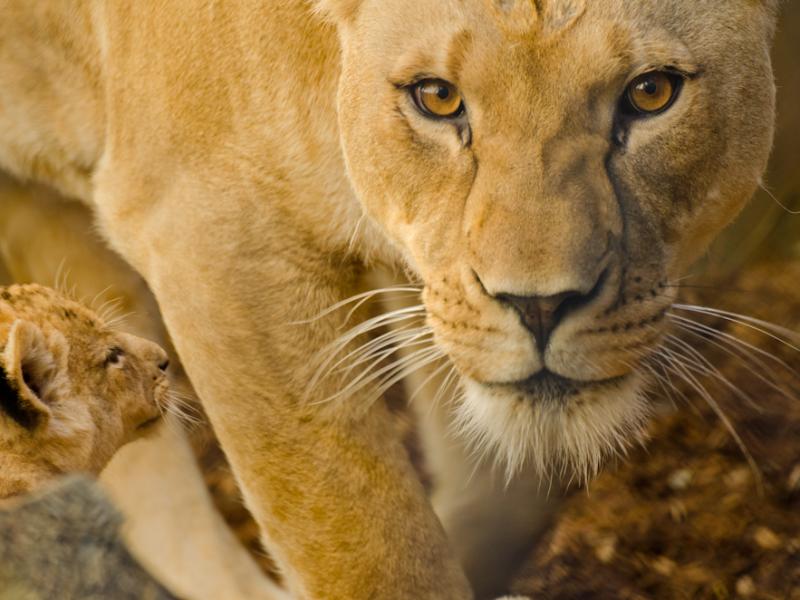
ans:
(569, 441)
(250, 161)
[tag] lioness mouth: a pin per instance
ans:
(548, 386)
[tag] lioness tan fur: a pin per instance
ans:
(250, 159)
(170, 522)
(72, 390)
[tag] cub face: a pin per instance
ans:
(550, 169)
(73, 390)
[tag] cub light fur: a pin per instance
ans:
(250, 162)
(72, 390)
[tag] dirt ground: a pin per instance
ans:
(688, 516)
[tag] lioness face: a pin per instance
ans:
(550, 169)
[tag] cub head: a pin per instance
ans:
(549, 168)
(72, 390)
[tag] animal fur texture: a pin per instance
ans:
(64, 542)
(250, 160)
(72, 389)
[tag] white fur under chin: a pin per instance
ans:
(559, 439)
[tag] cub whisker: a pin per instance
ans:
(93, 303)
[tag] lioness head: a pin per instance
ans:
(72, 390)
(549, 168)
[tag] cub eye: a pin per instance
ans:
(114, 356)
(437, 98)
(652, 93)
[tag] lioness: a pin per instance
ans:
(545, 170)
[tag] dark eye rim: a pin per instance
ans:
(414, 89)
(113, 356)
(629, 109)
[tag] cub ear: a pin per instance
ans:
(337, 11)
(28, 370)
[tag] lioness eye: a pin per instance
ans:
(437, 98)
(652, 93)
(114, 355)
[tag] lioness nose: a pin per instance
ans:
(542, 314)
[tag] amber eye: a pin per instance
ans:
(652, 92)
(437, 98)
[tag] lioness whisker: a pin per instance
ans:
(769, 329)
(731, 340)
(450, 380)
(422, 339)
(386, 345)
(330, 353)
(680, 369)
(436, 372)
(416, 359)
(360, 299)
(655, 359)
(383, 320)
(393, 340)
(703, 366)
(738, 349)
(661, 379)
(412, 367)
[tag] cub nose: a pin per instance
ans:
(542, 314)
(159, 356)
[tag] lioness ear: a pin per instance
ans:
(338, 11)
(28, 370)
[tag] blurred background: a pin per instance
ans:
(765, 230)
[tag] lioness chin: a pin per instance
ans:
(548, 169)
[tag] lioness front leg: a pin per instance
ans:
(329, 484)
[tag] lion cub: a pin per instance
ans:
(72, 390)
